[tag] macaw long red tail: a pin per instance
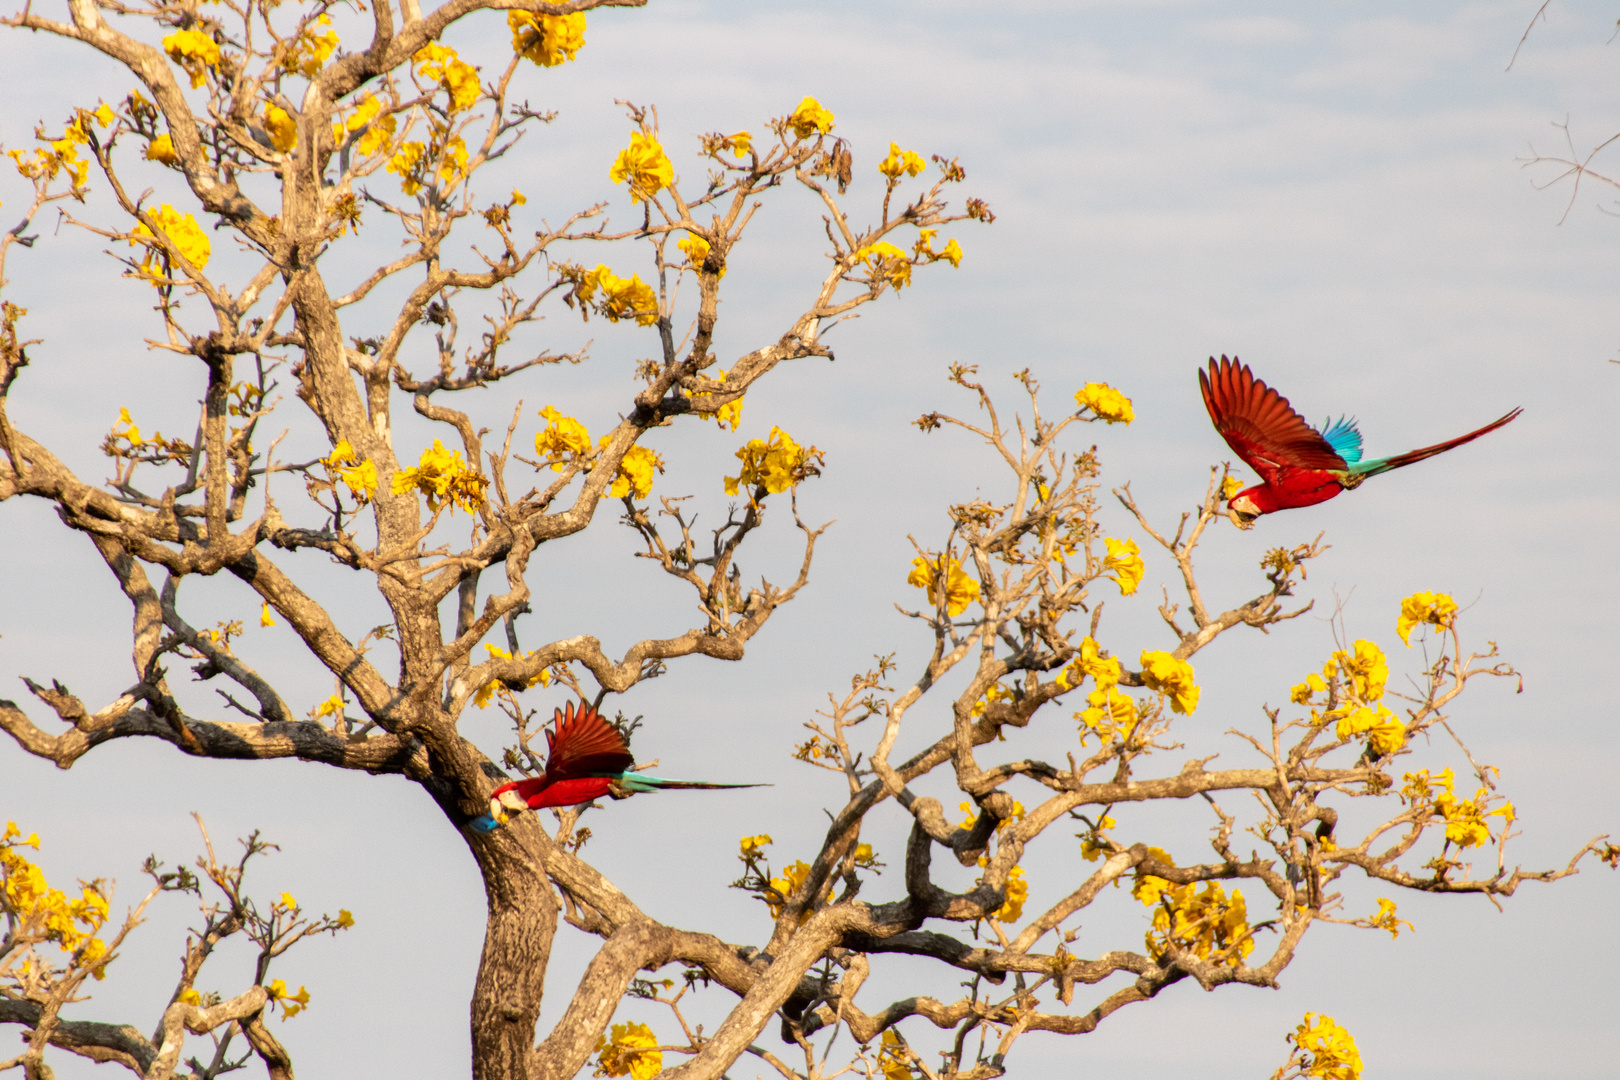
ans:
(1382, 465)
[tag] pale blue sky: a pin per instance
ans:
(1330, 192)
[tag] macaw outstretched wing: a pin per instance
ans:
(1259, 424)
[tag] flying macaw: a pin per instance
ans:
(586, 758)
(1298, 465)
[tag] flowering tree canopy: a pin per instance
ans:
(229, 186)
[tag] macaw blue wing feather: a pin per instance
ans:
(1345, 438)
(483, 823)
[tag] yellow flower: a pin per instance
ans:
(26, 896)
(892, 1058)
(332, 706)
(1112, 712)
(810, 119)
(751, 845)
(1386, 920)
(775, 464)
(1149, 888)
(697, 249)
(565, 439)
(1384, 730)
(741, 143)
(1230, 487)
(900, 161)
(459, 78)
(379, 131)
(627, 1051)
(635, 475)
(887, 262)
(265, 618)
(1163, 672)
(792, 877)
(1333, 1053)
(291, 1004)
(194, 51)
(181, 230)
(645, 165)
(548, 40)
(623, 298)
(444, 478)
(1017, 890)
(311, 49)
(1105, 671)
(189, 997)
(972, 819)
(1125, 560)
(487, 691)
(1105, 403)
(359, 476)
(1435, 609)
(1364, 668)
(282, 129)
(162, 149)
(960, 588)
(344, 919)
(406, 164)
(1206, 923)
(287, 901)
(731, 412)
(1302, 693)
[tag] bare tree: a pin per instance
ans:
(257, 107)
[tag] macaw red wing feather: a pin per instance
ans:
(1259, 424)
(584, 744)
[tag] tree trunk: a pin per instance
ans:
(517, 946)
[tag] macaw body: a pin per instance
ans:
(1298, 465)
(586, 759)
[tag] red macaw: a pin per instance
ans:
(1298, 464)
(586, 758)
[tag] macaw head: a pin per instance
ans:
(504, 801)
(1242, 510)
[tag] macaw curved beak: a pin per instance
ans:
(1242, 521)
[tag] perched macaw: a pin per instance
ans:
(1298, 464)
(586, 758)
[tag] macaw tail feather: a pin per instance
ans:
(483, 823)
(637, 782)
(1383, 465)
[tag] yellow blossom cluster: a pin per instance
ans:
(1105, 403)
(291, 1004)
(1205, 922)
(182, 232)
(886, 262)
(1111, 712)
(622, 298)
(696, 250)
(1006, 822)
(1386, 920)
(1124, 561)
(459, 78)
(566, 441)
(1434, 609)
(1163, 672)
(791, 878)
(412, 160)
(901, 163)
(635, 473)
(487, 691)
(548, 40)
(774, 464)
(754, 845)
(1464, 818)
(729, 413)
(1365, 673)
(36, 910)
(1017, 892)
(62, 153)
(893, 1061)
(444, 478)
(645, 165)
(1332, 1053)
(629, 1050)
(194, 51)
(961, 589)
(1091, 844)
(924, 248)
(344, 466)
(161, 150)
(281, 128)
(310, 49)
(378, 129)
(997, 692)
(810, 119)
